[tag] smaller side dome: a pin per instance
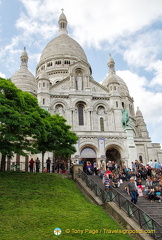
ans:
(113, 78)
(23, 78)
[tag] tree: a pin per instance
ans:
(58, 138)
(25, 127)
(20, 121)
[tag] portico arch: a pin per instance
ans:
(88, 154)
(60, 101)
(113, 153)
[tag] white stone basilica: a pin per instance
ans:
(64, 85)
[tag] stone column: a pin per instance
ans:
(101, 147)
(72, 119)
(87, 80)
(131, 146)
(72, 82)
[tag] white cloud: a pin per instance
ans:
(142, 50)
(33, 28)
(113, 24)
(146, 100)
(157, 68)
(93, 22)
(112, 19)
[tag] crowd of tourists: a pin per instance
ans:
(139, 180)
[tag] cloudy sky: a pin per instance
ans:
(131, 30)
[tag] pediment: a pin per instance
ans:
(97, 87)
(61, 86)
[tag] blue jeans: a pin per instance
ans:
(134, 197)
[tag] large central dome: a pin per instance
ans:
(63, 45)
(59, 54)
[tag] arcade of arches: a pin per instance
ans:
(112, 154)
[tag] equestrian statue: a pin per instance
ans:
(125, 118)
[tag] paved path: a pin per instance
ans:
(153, 209)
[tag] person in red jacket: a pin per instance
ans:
(31, 165)
(109, 172)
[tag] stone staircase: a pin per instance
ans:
(153, 209)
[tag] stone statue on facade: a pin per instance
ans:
(125, 118)
(59, 110)
(101, 110)
(79, 82)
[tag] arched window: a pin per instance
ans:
(123, 104)
(43, 101)
(102, 124)
(116, 104)
(66, 62)
(80, 114)
(49, 64)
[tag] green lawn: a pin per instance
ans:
(33, 205)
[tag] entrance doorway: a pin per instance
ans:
(112, 154)
(88, 152)
(88, 156)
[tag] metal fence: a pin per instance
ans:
(154, 229)
(23, 166)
